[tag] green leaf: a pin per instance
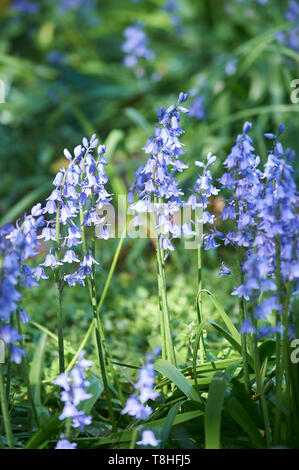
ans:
(176, 376)
(229, 324)
(137, 118)
(213, 411)
(35, 372)
(27, 201)
(35, 376)
(112, 142)
(95, 389)
(244, 419)
(46, 432)
(125, 436)
(195, 349)
(236, 344)
(170, 419)
(267, 349)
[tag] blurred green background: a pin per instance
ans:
(61, 62)
(64, 78)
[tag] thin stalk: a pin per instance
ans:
(167, 340)
(99, 330)
(58, 291)
(285, 358)
(260, 389)
(101, 301)
(5, 412)
(9, 367)
(279, 364)
(162, 322)
(26, 372)
(243, 310)
(134, 438)
(199, 228)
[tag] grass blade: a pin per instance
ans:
(176, 376)
(213, 411)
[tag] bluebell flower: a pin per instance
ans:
(197, 108)
(27, 7)
(247, 327)
(136, 405)
(65, 444)
(154, 183)
(290, 37)
(224, 271)
(136, 46)
(74, 386)
(148, 439)
(80, 186)
(199, 200)
(17, 245)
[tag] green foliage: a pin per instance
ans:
(49, 106)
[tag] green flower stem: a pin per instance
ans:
(101, 301)
(167, 341)
(134, 438)
(243, 310)
(99, 330)
(199, 229)
(162, 322)
(285, 358)
(104, 343)
(5, 412)
(26, 372)
(279, 364)
(58, 286)
(9, 366)
(260, 387)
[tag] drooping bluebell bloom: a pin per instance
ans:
(17, 244)
(290, 37)
(136, 405)
(173, 9)
(136, 45)
(27, 7)
(274, 225)
(65, 444)
(148, 439)
(199, 200)
(80, 186)
(243, 178)
(224, 271)
(197, 108)
(74, 385)
(155, 184)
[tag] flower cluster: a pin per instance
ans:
(267, 228)
(74, 392)
(79, 192)
(172, 8)
(17, 245)
(243, 178)
(197, 108)
(25, 6)
(199, 200)
(136, 405)
(155, 184)
(136, 45)
(291, 36)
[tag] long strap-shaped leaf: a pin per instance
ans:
(176, 376)
(235, 344)
(213, 410)
(125, 436)
(229, 324)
